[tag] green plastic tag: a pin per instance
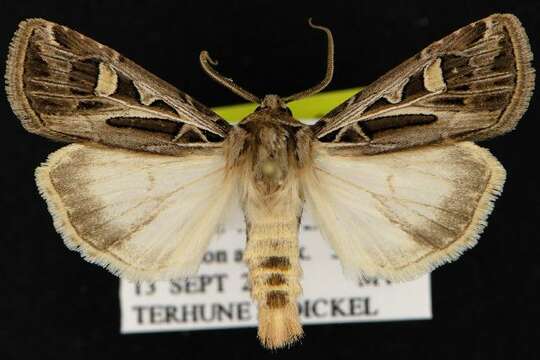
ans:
(313, 107)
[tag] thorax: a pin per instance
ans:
(273, 148)
(271, 151)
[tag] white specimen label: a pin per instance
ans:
(218, 297)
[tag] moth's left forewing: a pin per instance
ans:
(471, 85)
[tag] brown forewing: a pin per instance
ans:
(471, 85)
(68, 87)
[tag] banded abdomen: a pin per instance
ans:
(272, 256)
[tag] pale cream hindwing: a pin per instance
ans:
(472, 85)
(142, 216)
(399, 215)
(66, 86)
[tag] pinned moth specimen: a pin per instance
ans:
(392, 175)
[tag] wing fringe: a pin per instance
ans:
(525, 78)
(13, 77)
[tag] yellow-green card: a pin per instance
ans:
(312, 107)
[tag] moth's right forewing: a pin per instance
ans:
(66, 86)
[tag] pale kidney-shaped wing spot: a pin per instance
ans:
(107, 80)
(433, 77)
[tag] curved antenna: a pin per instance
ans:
(207, 62)
(329, 67)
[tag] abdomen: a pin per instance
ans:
(272, 256)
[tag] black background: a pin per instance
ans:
(54, 305)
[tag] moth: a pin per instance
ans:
(392, 175)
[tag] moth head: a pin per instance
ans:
(273, 103)
(272, 108)
(275, 109)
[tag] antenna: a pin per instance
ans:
(329, 67)
(207, 62)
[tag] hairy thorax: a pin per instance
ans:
(271, 157)
(271, 148)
